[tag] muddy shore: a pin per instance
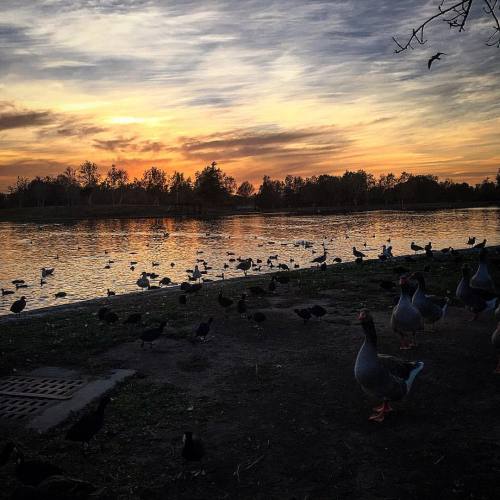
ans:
(278, 407)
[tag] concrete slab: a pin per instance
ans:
(94, 389)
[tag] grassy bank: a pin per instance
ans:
(279, 409)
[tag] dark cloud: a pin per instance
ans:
(22, 119)
(122, 144)
(237, 144)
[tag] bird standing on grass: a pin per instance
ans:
(305, 314)
(431, 307)
(386, 378)
(152, 334)
(203, 329)
(193, 449)
(89, 425)
(476, 300)
(18, 305)
(224, 302)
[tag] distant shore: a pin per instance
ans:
(62, 213)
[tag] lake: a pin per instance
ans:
(80, 251)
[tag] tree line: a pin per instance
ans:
(212, 187)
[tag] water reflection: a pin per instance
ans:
(80, 251)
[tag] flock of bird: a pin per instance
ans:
(385, 378)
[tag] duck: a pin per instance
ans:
(480, 245)
(415, 248)
(111, 293)
(320, 259)
(151, 334)
(386, 378)
(47, 271)
(60, 295)
(357, 253)
(89, 424)
(29, 472)
(165, 281)
(431, 307)
(133, 319)
(7, 292)
(143, 281)
(317, 311)
(305, 314)
(18, 305)
(482, 278)
(476, 300)
(471, 241)
(225, 302)
(203, 329)
(259, 317)
(196, 273)
(406, 317)
(495, 340)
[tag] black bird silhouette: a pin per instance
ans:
(435, 57)
(18, 305)
(317, 311)
(305, 314)
(133, 319)
(88, 425)
(225, 302)
(258, 317)
(7, 292)
(29, 472)
(111, 293)
(150, 335)
(204, 328)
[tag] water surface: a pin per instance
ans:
(80, 250)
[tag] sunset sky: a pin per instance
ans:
(260, 86)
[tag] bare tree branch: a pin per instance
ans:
(456, 16)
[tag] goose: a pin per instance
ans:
(471, 241)
(482, 278)
(431, 308)
(320, 259)
(89, 425)
(29, 472)
(7, 292)
(143, 281)
(111, 293)
(384, 377)
(480, 245)
(357, 253)
(245, 265)
(60, 295)
(18, 305)
(495, 340)
(152, 334)
(165, 281)
(415, 248)
(476, 300)
(203, 329)
(17, 282)
(337, 260)
(428, 246)
(406, 317)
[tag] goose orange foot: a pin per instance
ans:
(380, 412)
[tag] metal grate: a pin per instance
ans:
(12, 408)
(39, 387)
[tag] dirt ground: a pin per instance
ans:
(278, 409)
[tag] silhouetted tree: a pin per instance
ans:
(19, 190)
(116, 181)
(456, 14)
(89, 177)
(245, 190)
(181, 189)
(154, 181)
(212, 185)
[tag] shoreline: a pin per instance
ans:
(230, 282)
(76, 213)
